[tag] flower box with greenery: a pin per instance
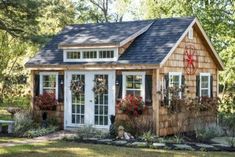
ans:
(46, 101)
(132, 106)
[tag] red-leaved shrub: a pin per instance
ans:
(132, 105)
(46, 101)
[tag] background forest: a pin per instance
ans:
(27, 25)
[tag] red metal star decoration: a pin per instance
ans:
(190, 59)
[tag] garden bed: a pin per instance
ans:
(190, 146)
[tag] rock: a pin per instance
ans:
(139, 144)
(105, 141)
(183, 146)
(158, 145)
(204, 145)
(120, 142)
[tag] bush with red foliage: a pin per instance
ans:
(132, 105)
(46, 101)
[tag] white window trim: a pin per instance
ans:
(209, 83)
(180, 80)
(41, 83)
(115, 58)
(142, 88)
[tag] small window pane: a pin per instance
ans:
(204, 92)
(106, 54)
(89, 54)
(73, 55)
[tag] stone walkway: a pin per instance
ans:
(50, 137)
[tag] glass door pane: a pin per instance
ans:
(78, 99)
(101, 100)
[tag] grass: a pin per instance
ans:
(11, 140)
(71, 149)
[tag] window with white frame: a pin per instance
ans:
(175, 80)
(134, 84)
(89, 55)
(73, 55)
(106, 54)
(205, 84)
(49, 83)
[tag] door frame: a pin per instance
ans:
(89, 76)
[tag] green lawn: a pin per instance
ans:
(70, 149)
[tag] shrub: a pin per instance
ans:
(135, 125)
(46, 101)
(132, 105)
(148, 137)
(23, 122)
(35, 132)
(206, 133)
(90, 132)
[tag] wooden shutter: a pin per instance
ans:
(166, 97)
(61, 88)
(183, 84)
(197, 85)
(36, 84)
(148, 90)
(119, 87)
(211, 86)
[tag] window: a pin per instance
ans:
(134, 83)
(190, 33)
(205, 84)
(49, 83)
(73, 55)
(106, 54)
(89, 55)
(175, 79)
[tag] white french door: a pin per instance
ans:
(89, 107)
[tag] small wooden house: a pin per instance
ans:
(137, 57)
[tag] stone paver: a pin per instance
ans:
(159, 144)
(120, 142)
(204, 145)
(139, 144)
(183, 146)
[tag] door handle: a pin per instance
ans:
(90, 100)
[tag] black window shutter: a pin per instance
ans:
(166, 97)
(148, 90)
(61, 88)
(119, 87)
(183, 84)
(211, 86)
(36, 84)
(197, 85)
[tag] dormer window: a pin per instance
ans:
(73, 55)
(90, 55)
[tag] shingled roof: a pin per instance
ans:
(151, 47)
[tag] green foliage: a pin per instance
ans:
(35, 132)
(148, 137)
(204, 134)
(227, 114)
(23, 122)
(90, 132)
